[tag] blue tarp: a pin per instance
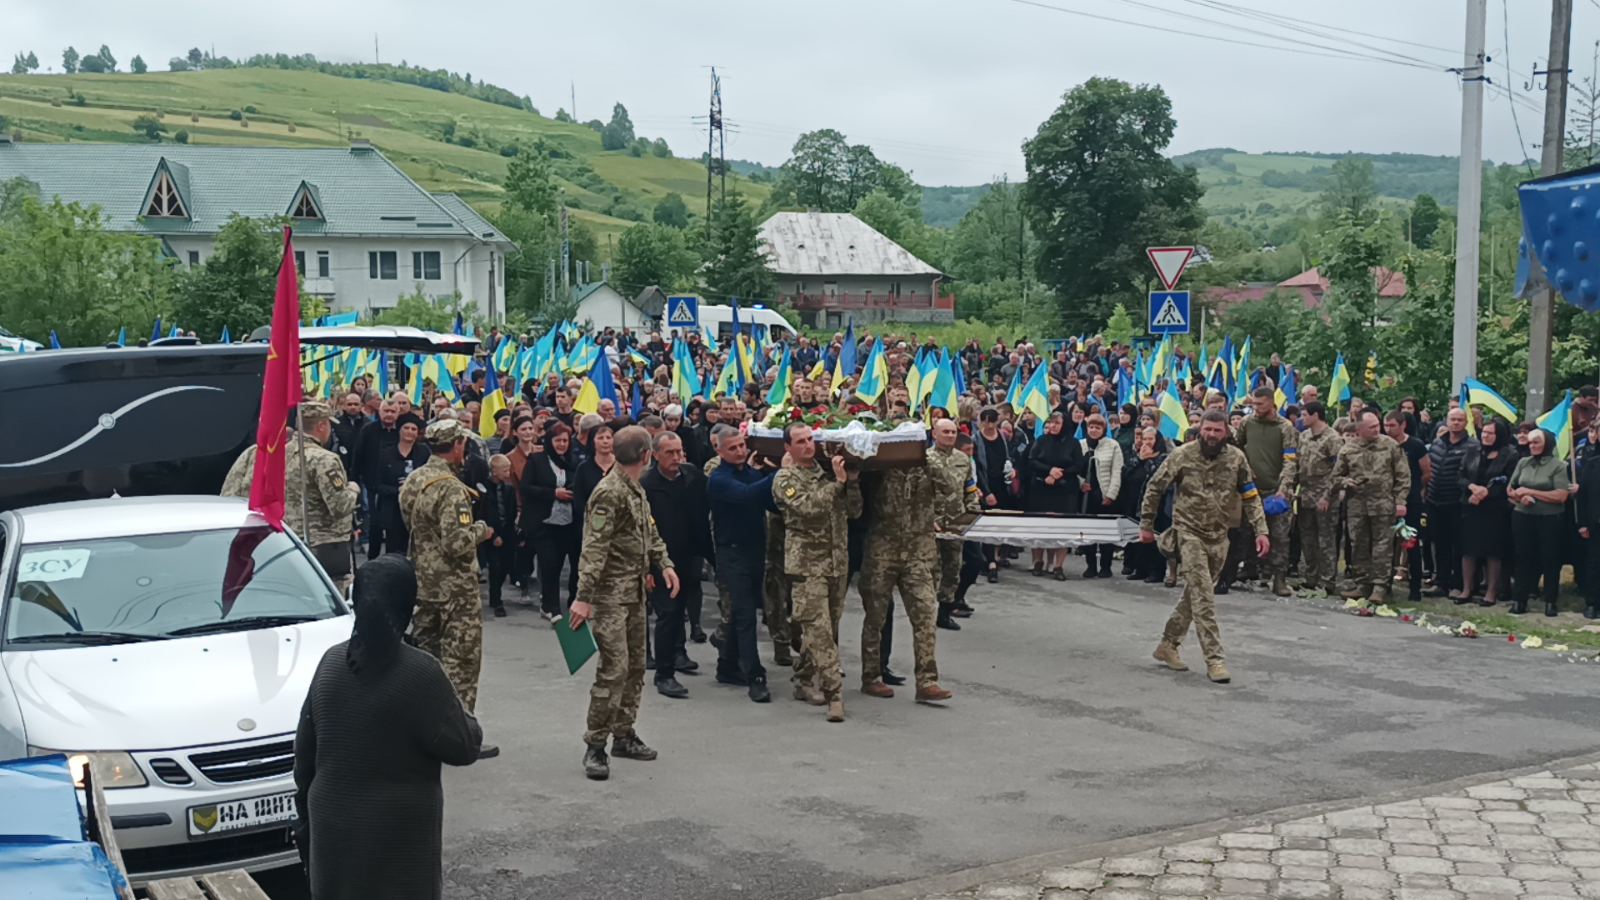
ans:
(43, 851)
(1561, 237)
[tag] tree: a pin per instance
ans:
(899, 224)
(419, 310)
(149, 126)
(654, 255)
(106, 57)
(137, 66)
(659, 148)
(535, 237)
(24, 63)
(236, 284)
(671, 210)
(1350, 188)
(562, 115)
(177, 64)
(61, 269)
(992, 241)
(1100, 190)
(1119, 327)
(69, 60)
(618, 133)
(181, 137)
(1268, 322)
(861, 169)
(737, 260)
(530, 183)
(92, 64)
(1425, 218)
(196, 58)
(814, 175)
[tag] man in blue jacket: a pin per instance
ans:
(740, 498)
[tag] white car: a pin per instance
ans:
(10, 343)
(119, 644)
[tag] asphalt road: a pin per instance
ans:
(1063, 732)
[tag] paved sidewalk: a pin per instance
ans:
(1531, 836)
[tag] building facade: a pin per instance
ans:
(834, 268)
(365, 234)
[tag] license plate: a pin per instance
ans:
(239, 815)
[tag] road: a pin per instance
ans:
(1062, 733)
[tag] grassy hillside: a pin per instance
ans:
(607, 189)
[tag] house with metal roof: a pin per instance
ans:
(365, 234)
(833, 267)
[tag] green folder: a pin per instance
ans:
(577, 644)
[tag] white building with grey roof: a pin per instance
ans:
(833, 267)
(365, 234)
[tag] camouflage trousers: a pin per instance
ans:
(619, 631)
(778, 600)
(1199, 563)
(1277, 561)
(949, 571)
(1319, 547)
(1371, 551)
(818, 607)
(915, 579)
(451, 631)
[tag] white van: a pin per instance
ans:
(719, 321)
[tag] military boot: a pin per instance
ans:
(1355, 593)
(808, 694)
(1218, 672)
(933, 693)
(595, 765)
(630, 747)
(1280, 586)
(1167, 654)
(781, 655)
(878, 689)
(835, 710)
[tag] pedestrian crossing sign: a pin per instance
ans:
(683, 312)
(1169, 312)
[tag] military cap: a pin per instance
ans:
(445, 431)
(310, 412)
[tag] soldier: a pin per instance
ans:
(444, 547)
(330, 498)
(1373, 476)
(620, 549)
(1318, 513)
(815, 504)
(1214, 487)
(955, 495)
(1271, 446)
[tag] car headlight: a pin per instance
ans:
(114, 769)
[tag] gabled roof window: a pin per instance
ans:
(307, 203)
(165, 199)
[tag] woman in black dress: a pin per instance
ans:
(378, 721)
(550, 518)
(1486, 513)
(395, 462)
(1149, 452)
(1054, 464)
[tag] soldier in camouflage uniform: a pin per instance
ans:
(1271, 447)
(330, 499)
(445, 535)
(955, 495)
(620, 550)
(815, 503)
(1373, 476)
(1318, 512)
(1214, 487)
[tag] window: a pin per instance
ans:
(165, 203)
(894, 288)
(194, 258)
(425, 265)
(323, 265)
(383, 265)
(305, 207)
(300, 262)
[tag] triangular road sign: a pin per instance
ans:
(1169, 316)
(1170, 263)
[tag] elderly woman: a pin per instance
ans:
(1486, 516)
(1055, 462)
(379, 720)
(1150, 451)
(1538, 492)
(1102, 484)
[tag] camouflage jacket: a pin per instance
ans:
(1318, 456)
(444, 533)
(815, 507)
(955, 486)
(1211, 493)
(903, 505)
(620, 543)
(1373, 475)
(329, 504)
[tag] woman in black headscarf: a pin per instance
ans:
(1486, 512)
(1054, 464)
(378, 721)
(550, 517)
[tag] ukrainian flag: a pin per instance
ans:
(685, 380)
(1036, 397)
(1558, 421)
(944, 394)
(1173, 418)
(1014, 392)
(1339, 383)
(846, 366)
(1476, 393)
(1286, 391)
(493, 401)
(875, 375)
(778, 394)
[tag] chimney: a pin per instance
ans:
(361, 145)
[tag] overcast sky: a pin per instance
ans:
(946, 88)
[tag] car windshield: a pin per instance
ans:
(159, 586)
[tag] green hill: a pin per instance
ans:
(446, 141)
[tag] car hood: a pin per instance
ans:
(165, 694)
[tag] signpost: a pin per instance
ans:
(1169, 308)
(683, 312)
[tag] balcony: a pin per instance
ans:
(886, 302)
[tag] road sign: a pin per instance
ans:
(683, 312)
(1169, 312)
(1170, 263)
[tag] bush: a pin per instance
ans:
(79, 100)
(251, 110)
(291, 128)
(194, 117)
(235, 115)
(56, 102)
(181, 137)
(508, 150)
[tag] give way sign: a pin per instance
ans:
(1170, 263)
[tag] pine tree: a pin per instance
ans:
(737, 264)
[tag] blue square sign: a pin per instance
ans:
(1169, 312)
(683, 312)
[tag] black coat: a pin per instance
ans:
(393, 468)
(1054, 451)
(368, 449)
(682, 513)
(539, 494)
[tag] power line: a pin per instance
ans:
(1505, 24)
(1264, 15)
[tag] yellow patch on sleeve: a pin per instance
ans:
(789, 492)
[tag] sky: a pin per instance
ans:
(949, 89)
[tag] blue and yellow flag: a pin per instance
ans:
(1285, 392)
(875, 375)
(493, 401)
(778, 394)
(1036, 397)
(846, 364)
(1476, 393)
(1014, 392)
(944, 394)
(685, 380)
(1173, 418)
(1339, 382)
(1558, 421)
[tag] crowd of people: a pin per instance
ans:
(638, 502)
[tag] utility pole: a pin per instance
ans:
(1541, 311)
(375, 57)
(573, 86)
(566, 259)
(1469, 194)
(716, 146)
